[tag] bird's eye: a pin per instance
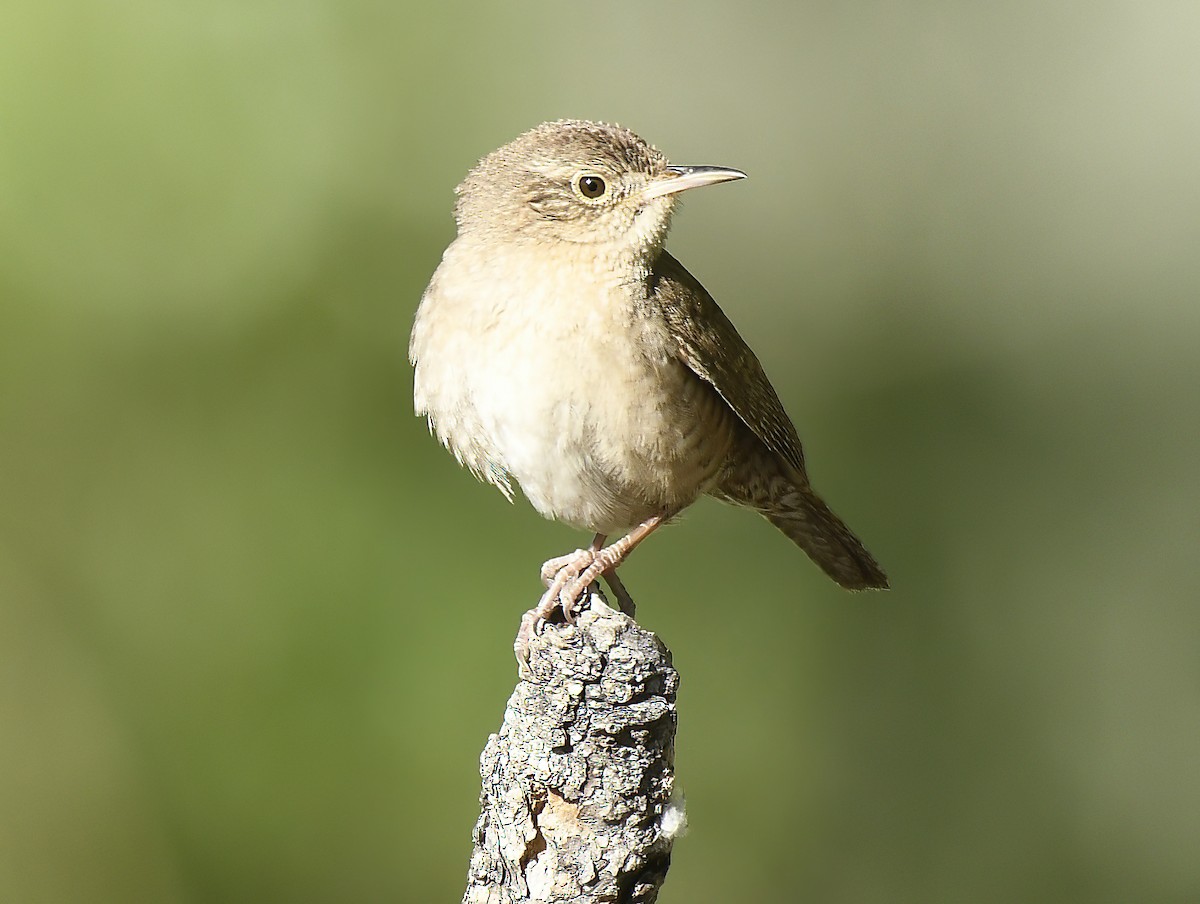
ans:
(592, 187)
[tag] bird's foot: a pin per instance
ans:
(565, 590)
(575, 561)
(604, 562)
(531, 623)
(563, 572)
(535, 620)
(567, 579)
(557, 573)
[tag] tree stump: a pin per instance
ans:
(577, 798)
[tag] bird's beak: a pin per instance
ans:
(681, 178)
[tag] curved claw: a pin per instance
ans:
(551, 598)
(570, 597)
(524, 635)
(533, 623)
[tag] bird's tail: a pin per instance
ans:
(805, 518)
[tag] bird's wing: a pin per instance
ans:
(707, 342)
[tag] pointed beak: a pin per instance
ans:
(681, 178)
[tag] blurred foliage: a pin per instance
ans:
(255, 624)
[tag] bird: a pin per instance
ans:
(559, 346)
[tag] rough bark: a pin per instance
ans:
(577, 784)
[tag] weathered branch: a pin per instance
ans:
(576, 802)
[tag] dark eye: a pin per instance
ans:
(591, 187)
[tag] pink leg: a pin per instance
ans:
(605, 562)
(568, 577)
(624, 600)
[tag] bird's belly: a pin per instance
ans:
(604, 444)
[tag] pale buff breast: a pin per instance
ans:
(556, 379)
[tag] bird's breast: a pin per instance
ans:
(563, 377)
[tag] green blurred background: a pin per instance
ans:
(255, 624)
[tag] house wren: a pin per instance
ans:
(560, 346)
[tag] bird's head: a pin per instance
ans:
(584, 183)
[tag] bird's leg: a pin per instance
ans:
(605, 562)
(567, 568)
(624, 600)
(568, 577)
